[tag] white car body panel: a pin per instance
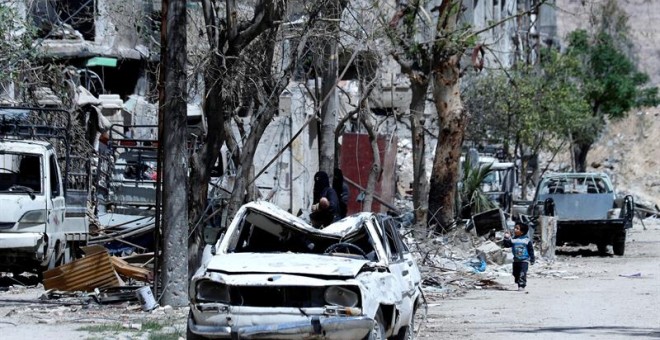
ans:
(265, 250)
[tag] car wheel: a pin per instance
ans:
(602, 248)
(70, 253)
(189, 334)
(619, 246)
(53, 260)
(407, 332)
(52, 263)
(378, 331)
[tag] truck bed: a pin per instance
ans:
(581, 206)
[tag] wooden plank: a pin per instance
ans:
(124, 268)
(91, 250)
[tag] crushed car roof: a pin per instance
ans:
(341, 228)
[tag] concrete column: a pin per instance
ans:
(548, 225)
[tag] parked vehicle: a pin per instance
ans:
(44, 215)
(586, 208)
(271, 275)
(500, 182)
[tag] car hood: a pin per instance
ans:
(286, 263)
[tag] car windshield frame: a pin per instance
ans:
(20, 171)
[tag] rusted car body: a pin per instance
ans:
(586, 208)
(273, 276)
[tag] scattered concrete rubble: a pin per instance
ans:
(461, 260)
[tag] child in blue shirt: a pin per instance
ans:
(523, 252)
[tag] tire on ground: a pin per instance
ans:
(378, 332)
(619, 246)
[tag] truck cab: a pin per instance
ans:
(33, 206)
(45, 200)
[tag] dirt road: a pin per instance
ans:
(581, 296)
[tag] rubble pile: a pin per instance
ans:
(460, 260)
(97, 309)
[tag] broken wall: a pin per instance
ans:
(288, 181)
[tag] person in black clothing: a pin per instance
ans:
(341, 188)
(325, 206)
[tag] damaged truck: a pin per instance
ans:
(272, 276)
(44, 198)
(586, 208)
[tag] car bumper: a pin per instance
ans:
(25, 241)
(21, 251)
(345, 327)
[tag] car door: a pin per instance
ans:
(400, 268)
(56, 194)
(411, 263)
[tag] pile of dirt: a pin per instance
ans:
(629, 151)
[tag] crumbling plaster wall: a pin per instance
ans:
(122, 25)
(122, 29)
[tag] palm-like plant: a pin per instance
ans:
(472, 198)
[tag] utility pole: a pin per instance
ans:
(330, 107)
(173, 149)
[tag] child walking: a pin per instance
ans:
(523, 252)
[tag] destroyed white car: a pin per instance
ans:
(272, 276)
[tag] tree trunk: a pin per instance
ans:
(374, 172)
(580, 151)
(201, 164)
(175, 157)
(452, 119)
(244, 175)
(420, 186)
(328, 109)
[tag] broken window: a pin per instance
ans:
(262, 234)
(363, 67)
(65, 19)
(20, 170)
(54, 177)
(29, 172)
(80, 15)
(576, 185)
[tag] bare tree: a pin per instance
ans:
(329, 66)
(416, 64)
(429, 40)
(229, 32)
(433, 56)
(243, 83)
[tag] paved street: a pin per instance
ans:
(581, 296)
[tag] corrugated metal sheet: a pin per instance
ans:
(92, 271)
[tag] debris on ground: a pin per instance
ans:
(460, 259)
